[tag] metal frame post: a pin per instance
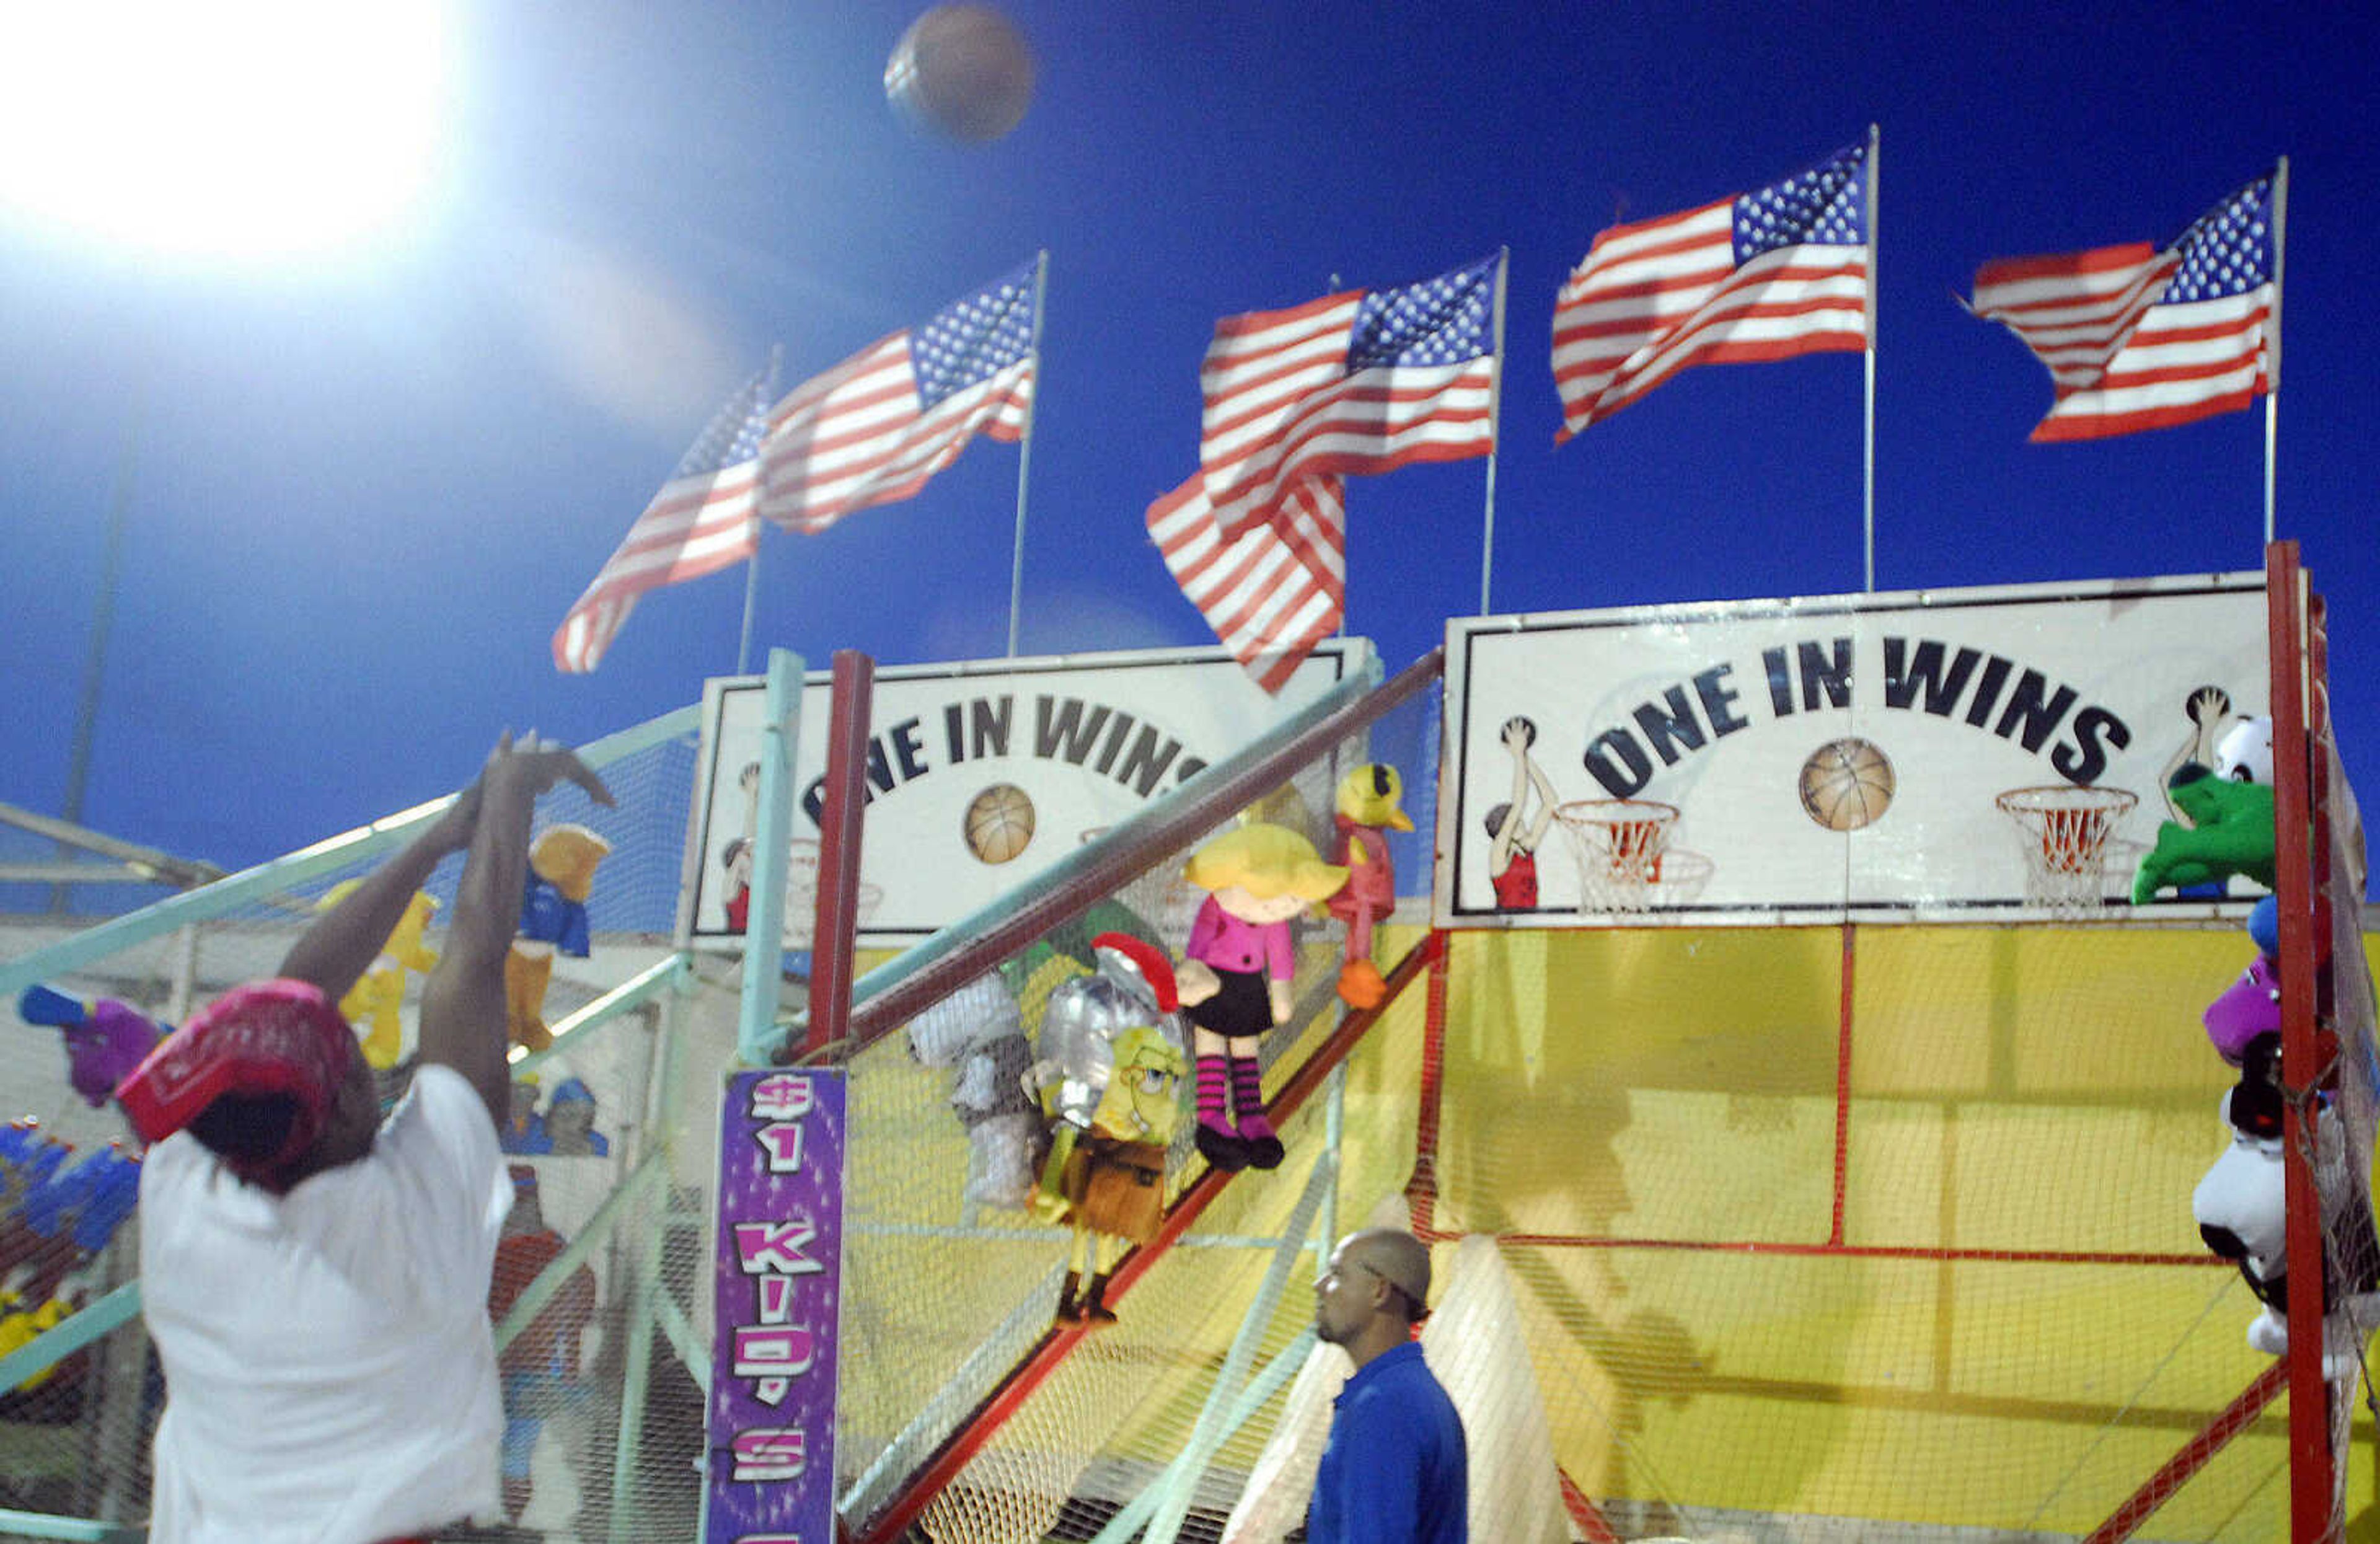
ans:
(636, 1365)
(2313, 1476)
(838, 835)
(764, 934)
(1172, 1502)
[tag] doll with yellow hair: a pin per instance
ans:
(1235, 976)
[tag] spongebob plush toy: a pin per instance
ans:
(374, 1003)
(562, 861)
(1111, 1076)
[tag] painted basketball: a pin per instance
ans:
(999, 822)
(961, 72)
(1846, 783)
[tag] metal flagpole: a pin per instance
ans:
(1494, 409)
(752, 564)
(1342, 630)
(2273, 339)
(1024, 450)
(1867, 436)
(103, 620)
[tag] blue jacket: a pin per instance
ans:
(1396, 1470)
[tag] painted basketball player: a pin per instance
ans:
(1514, 829)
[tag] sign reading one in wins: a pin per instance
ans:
(1927, 755)
(777, 1282)
(980, 774)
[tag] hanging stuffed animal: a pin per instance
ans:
(1112, 1074)
(1236, 974)
(21, 1325)
(104, 1039)
(562, 863)
(2252, 1006)
(2242, 1210)
(1366, 804)
(375, 1002)
(2229, 807)
(978, 1030)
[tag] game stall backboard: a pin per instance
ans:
(980, 774)
(1921, 756)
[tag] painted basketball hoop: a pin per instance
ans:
(801, 896)
(1618, 845)
(2067, 832)
(1682, 877)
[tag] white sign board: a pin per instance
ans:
(980, 774)
(1821, 759)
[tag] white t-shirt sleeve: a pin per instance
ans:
(440, 1148)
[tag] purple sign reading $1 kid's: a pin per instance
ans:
(778, 1286)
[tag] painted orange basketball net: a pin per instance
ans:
(1618, 844)
(2066, 854)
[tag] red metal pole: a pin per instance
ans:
(1592, 1523)
(832, 935)
(1421, 1190)
(2194, 1456)
(2313, 1480)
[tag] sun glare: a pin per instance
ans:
(232, 129)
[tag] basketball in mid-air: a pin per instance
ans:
(999, 822)
(961, 72)
(1846, 783)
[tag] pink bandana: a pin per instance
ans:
(279, 1036)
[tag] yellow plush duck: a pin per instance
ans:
(561, 862)
(1366, 805)
(376, 1002)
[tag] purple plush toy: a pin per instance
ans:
(2252, 1006)
(104, 1040)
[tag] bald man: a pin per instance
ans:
(1395, 1471)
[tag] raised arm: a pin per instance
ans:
(1517, 735)
(1547, 801)
(463, 1002)
(335, 952)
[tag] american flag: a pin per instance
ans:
(1359, 382)
(1273, 592)
(874, 428)
(702, 520)
(868, 431)
(1777, 272)
(2138, 338)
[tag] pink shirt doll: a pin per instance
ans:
(1236, 974)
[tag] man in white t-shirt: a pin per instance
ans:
(316, 1278)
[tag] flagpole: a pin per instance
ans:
(752, 564)
(2273, 343)
(102, 618)
(1342, 632)
(1024, 451)
(1867, 435)
(1495, 410)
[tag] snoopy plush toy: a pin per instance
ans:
(2241, 1204)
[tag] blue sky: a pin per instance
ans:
(363, 493)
